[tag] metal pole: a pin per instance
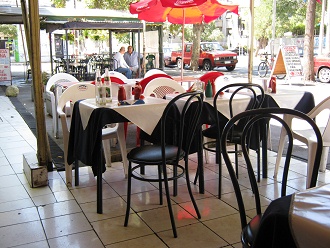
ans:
(327, 43)
(321, 36)
(272, 48)
(251, 39)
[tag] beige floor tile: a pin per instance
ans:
(18, 216)
(112, 230)
(58, 209)
(248, 198)
(17, 192)
(3, 160)
(6, 170)
(149, 241)
(44, 190)
(57, 185)
(63, 196)
(210, 208)
(88, 194)
(228, 227)
(39, 244)
(15, 205)
(112, 207)
(79, 240)
(65, 225)
(137, 186)
(20, 234)
(159, 219)
(9, 180)
(195, 235)
(44, 199)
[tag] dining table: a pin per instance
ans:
(88, 119)
(298, 220)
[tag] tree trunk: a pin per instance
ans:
(308, 60)
(197, 30)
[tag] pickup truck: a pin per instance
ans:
(212, 55)
(322, 68)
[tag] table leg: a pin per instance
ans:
(200, 162)
(99, 185)
(264, 151)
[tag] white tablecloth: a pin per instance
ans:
(310, 217)
(145, 116)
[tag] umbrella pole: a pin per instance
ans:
(182, 56)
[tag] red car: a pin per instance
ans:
(322, 68)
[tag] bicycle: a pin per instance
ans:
(265, 66)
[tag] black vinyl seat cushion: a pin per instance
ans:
(152, 154)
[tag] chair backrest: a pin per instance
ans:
(254, 116)
(322, 107)
(153, 71)
(185, 121)
(161, 86)
(118, 75)
(59, 77)
(254, 90)
(76, 92)
(210, 76)
(146, 80)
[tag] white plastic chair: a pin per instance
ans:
(159, 87)
(153, 71)
(307, 137)
(56, 78)
(117, 75)
(82, 91)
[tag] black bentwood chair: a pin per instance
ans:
(257, 95)
(250, 230)
(167, 154)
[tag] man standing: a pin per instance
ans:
(131, 58)
(122, 65)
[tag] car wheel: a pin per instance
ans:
(207, 65)
(178, 63)
(230, 68)
(324, 75)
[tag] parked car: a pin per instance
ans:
(322, 68)
(167, 56)
(212, 55)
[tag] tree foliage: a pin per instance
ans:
(8, 30)
(108, 4)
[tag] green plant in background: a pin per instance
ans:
(45, 77)
(70, 37)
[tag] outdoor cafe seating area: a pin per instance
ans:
(84, 67)
(92, 214)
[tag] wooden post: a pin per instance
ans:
(33, 37)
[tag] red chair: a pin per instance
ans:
(211, 76)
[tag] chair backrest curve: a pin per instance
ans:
(255, 116)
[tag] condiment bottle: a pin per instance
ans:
(137, 91)
(272, 84)
(208, 90)
(98, 82)
(107, 84)
(121, 93)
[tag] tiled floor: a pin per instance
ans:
(58, 216)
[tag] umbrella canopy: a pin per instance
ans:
(180, 12)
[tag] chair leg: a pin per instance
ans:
(160, 184)
(107, 152)
(190, 192)
(168, 198)
(236, 159)
(122, 145)
(280, 151)
(128, 201)
(76, 173)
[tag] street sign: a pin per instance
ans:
(5, 71)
